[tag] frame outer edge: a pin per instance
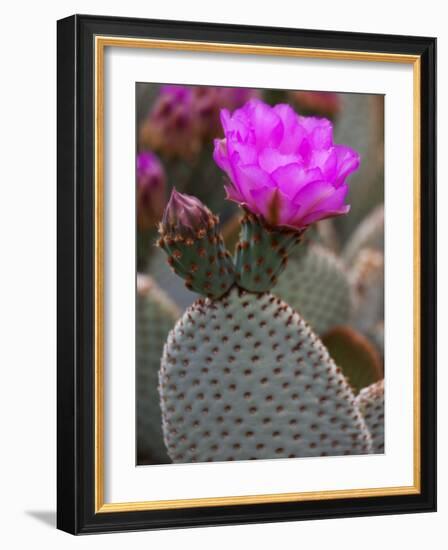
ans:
(429, 271)
(67, 128)
(76, 513)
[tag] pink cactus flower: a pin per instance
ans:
(151, 190)
(283, 167)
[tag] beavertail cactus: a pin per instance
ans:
(155, 317)
(262, 253)
(244, 378)
(242, 374)
(371, 403)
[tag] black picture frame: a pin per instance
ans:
(76, 271)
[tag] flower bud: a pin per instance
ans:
(186, 216)
(195, 248)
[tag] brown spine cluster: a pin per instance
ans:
(262, 253)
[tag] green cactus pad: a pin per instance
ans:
(262, 253)
(371, 403)
(316, 284)
(155, 317)
(201, 259)
(367, 277)
(359, 360)
(245, 378)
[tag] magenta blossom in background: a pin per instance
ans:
(282, 166)
(184, 118)
(151, 191)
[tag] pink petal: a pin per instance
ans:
(247, 153)
(233, 194)
(305, 150)
(331, 203)
(220, 155)
(293, 132)
(335, 201)
(250, 177)
(319, 215)
(348, 161)
(320, 131)
(327, 161)
(292, 177)
(267, 125)
(236, 124)
(273, 205)
(311, 194)
(271, 159)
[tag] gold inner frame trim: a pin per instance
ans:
(101, 42)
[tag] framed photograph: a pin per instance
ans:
(246, 274)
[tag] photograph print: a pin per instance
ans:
(259, 274)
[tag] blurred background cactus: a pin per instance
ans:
(334, 279)
(155, 317)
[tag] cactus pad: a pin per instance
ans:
(155, 316)
(371, 403)
(262, 253)
(200, 258)
(317, 286)
(244, 377)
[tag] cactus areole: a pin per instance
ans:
(262, 253)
